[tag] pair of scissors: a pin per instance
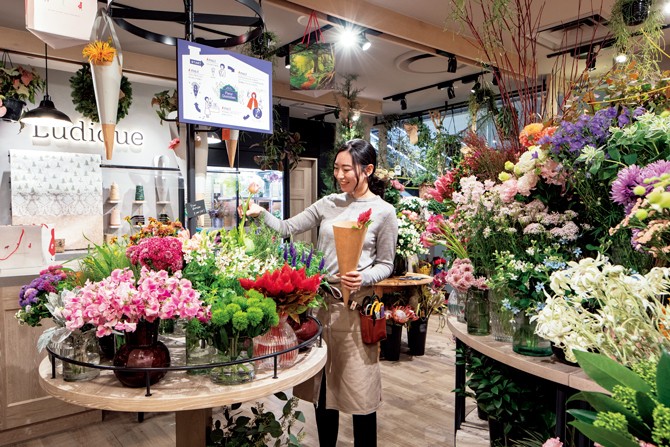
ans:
(374, 309)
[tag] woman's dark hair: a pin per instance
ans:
(363, 154)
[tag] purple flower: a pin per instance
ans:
(622, 188)
(308, 262)
(322, 264)
(639, 111)
(624, 118)
(655, 169)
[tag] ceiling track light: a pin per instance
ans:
(363, 42)
(46, 114)
(476, 87)
(287, 61)
(452, 64)
(451, 93)
(403, 103)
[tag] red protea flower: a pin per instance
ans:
(364, 219)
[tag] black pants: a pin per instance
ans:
(328, 424)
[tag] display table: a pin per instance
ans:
(567, 379)
(408, 284)
(190, 396)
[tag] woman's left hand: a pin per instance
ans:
(352, 280)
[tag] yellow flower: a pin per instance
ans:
(99, 52)
(504, 176)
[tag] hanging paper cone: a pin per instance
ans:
(348, 245)
(107, 83)
(230, 136)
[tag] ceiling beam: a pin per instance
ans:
(402, 29)
(27, 44)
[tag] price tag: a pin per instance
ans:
(195, 209)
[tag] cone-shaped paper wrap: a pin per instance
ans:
(107, 84)
(348, 245)
(230, 136)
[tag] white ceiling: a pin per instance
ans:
(384, 70)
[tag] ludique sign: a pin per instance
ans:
(87, 133)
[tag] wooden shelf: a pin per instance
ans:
(114, 226)
(113, 202)
(165, 202)
(138, 202)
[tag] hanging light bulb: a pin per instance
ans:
(46, 114)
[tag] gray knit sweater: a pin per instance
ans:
(376, 262)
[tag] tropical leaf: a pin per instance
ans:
(603, 436)
(607, 373)
(663, 379)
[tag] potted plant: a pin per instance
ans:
(167, 102)
(17, 85)
(279, 148)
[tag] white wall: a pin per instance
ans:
(141, 125)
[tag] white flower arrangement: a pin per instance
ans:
(602, 307)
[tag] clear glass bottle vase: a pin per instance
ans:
(278, 338)
(81, 347)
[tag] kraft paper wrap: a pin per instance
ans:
(348, 245)
(230, 136)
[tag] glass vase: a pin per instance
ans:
(399, 265)
(279, 337)
(199, 351)
(141, 350)
(502, 326)
(231, 348)
(81, 347)
(456, 304)
(477, 312)
(526, 341)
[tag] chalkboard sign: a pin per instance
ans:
(195, 209)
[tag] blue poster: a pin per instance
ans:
(221, 88)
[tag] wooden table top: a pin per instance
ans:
(178, 391)
(410, 279)
(545, 367)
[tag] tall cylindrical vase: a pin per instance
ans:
(416, 336)
(477, 312)
(526, 341)
(502, 327)
(278, 338)
(141, 350)
(392, 342)
(81, 347)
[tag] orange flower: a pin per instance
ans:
(99, 52)
(529, 135)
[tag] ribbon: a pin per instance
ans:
(312, 27)
(252, 104)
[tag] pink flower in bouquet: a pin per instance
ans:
(157, 253)
(460, 276)
(553, 173)
(526, 183)
(553, 442)
(507, 190)
(443, 187)
(364, 219)
(397, 185)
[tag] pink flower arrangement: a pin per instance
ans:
(116, 303)
(461, 276)
(444, 187)
(397, 185)
(157, 253)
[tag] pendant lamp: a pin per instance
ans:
(46, 114)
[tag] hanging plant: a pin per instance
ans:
(83, 95)
(279, 147)
(167, 102)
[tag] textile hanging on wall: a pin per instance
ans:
(60, 188)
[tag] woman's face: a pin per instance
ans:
(346, 177)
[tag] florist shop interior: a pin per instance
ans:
(523, 144)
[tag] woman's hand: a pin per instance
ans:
(352, 280)
(253, 211)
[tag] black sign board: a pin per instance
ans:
(195, 209)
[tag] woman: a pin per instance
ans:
(351, 380)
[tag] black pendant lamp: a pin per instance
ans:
(46, 114)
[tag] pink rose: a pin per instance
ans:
(553, 442)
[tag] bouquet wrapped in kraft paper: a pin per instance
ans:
(349, 237)
(106, 60)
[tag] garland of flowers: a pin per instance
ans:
(83, 95)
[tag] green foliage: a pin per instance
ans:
(101, 260)
(19, 82)
(167, 101)
(515, 399)
(637, 409)
(260, 429)
(279, 147)
(83, 95)
(264, 46)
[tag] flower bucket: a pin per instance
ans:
(416, 336)
(107, 80)
(526, 341)
(230, 349)
(348, 245)
(477, 312)
(82, 347)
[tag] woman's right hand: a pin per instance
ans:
(254, 210)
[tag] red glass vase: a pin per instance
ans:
(279, 337)
(142, 350)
